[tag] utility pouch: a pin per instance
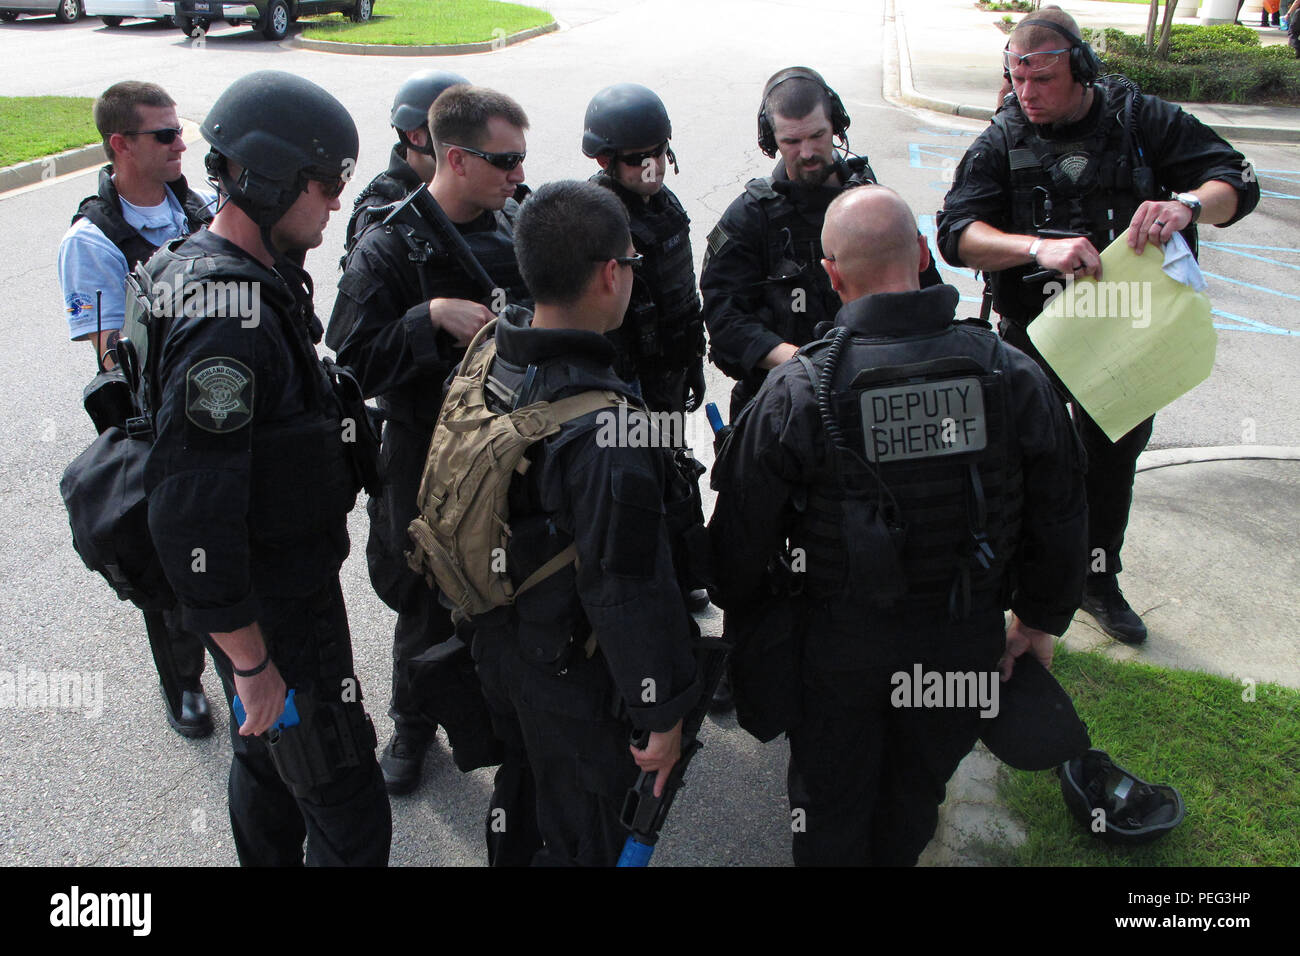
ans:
(107, 400)
(874, 553)
(765, 663)
(644, 317)
(361, 427)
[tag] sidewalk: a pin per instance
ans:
(949, 56)
(1211, 565)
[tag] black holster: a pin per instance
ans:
(331, 738)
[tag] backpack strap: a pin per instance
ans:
(569, 554)
(566, 410)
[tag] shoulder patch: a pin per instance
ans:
(761, 188)
(219, 394)
(718, 240)
(79, 302)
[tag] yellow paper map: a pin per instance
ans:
(1127, 345)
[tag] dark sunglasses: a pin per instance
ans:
(166, 135)
(638, 159)
(633, 260)
(332, 189)
(506, 161)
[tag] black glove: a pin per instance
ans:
(695, 387)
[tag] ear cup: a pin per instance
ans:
(1085, 66)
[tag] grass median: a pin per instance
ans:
(1235, 761)
(431, 23)
(36, 126)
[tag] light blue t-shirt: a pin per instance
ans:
(89, 262)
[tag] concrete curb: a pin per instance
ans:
(907, 90)
(48, 167)
(909, 94)
(1168, 457)
(449, 49)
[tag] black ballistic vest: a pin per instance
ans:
(661, 329)
(924, 515)
(105, 210)
(302, 482)
(1092, 185)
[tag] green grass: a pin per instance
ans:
(36, 126)
(431, 22)
(1236, 763)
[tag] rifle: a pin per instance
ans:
(643, 813)
(422, 215)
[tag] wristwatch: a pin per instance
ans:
(1191, 201)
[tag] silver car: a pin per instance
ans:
(113, 12)
(64, 10)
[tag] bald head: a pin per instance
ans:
(870, 239)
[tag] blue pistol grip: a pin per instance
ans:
(635, 853)
(715, 417)
(288, 717)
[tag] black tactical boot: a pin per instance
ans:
(722, 702)
(1103, 600)
(193, 718)
(402, 761)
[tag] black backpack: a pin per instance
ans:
(103, 488)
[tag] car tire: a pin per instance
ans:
(362, 11)
(275, 25)
(112, 21)
(68, 11)
(8, 16)
(187, 24)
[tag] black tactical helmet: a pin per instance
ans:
(1132, 810)
(624, 116)
(416, 95)
(283, 130)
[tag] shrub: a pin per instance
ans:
(1219, 64)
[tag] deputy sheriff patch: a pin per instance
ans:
(924, 420)
(219, 394)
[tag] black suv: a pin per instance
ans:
(271, 17)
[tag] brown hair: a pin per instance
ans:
(115, 110)
(460, 115)
(796, 97)
(1028, 36)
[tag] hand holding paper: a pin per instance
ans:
(1130, 344)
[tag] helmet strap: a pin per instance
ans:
(426, 150)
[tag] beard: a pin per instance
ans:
(811, 175)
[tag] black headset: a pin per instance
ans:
(767, 136)
(1085, 67)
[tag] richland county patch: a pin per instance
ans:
(219, 394)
